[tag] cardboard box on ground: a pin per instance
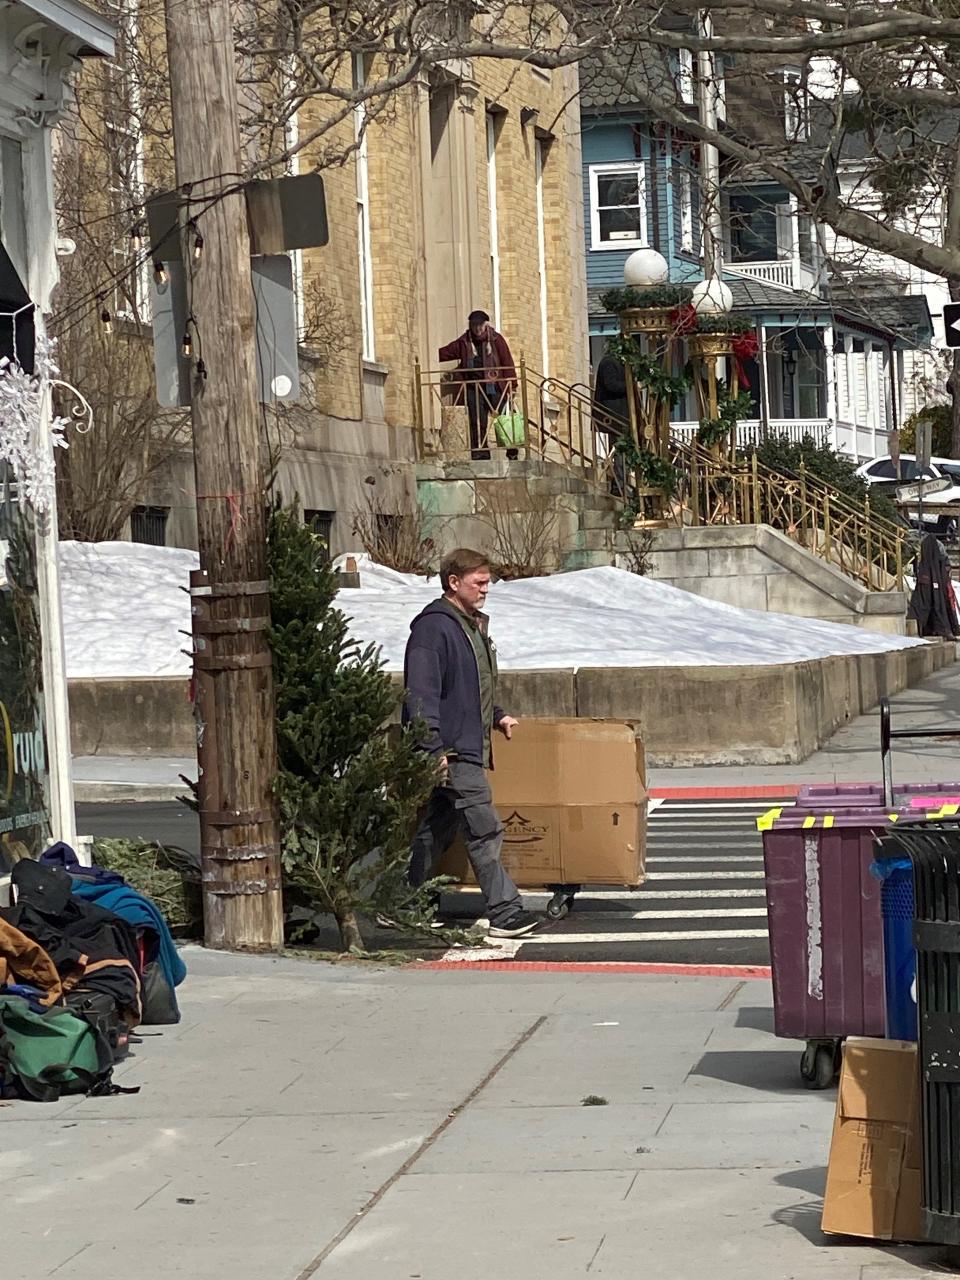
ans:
(572, 796)
(874, 1183)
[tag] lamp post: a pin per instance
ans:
(711, 297)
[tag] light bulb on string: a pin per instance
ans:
(197, 242)
(160, 273)
(107, 320)
(136, 239)
(186, 347)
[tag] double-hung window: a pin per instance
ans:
(618, 214)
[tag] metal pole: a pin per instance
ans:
(525, 407)
(710, 157)
(56, 705)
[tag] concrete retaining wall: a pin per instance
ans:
(136, 717)
(757, 567)
(688, 715)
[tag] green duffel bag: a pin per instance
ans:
(45, 1055)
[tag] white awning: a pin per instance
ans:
(95, 36)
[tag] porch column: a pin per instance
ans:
(869, 393)
(830, 374)
(889, 398)
(764, 385)
(853, 391)
(796, 265)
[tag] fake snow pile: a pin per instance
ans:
(606, 618)
(126, 612)
(125, 606)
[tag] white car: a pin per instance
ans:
(884, 474)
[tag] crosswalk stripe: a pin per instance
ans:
(699, 875)
(726, 860)
(699, 914)
(629, 895)
(671, 935)
(699, 893)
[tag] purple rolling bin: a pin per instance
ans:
(826, 932)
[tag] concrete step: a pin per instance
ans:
(557, 484)
(586, 559)
(597, 540)
(594, 501)
(593, 519)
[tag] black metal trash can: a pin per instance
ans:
(934, 850)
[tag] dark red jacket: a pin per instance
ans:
(496, 358)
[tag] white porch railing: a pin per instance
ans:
(785, 273)
(752, 430)
(859, 441)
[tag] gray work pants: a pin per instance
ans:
(464, 803)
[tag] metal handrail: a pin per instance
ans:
(832, 525)
(565, 423)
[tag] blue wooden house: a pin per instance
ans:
(829, 368)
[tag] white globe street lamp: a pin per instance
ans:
(712, 297)
(645, 268)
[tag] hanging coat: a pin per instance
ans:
(932, 602)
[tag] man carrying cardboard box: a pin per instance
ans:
(450, 674)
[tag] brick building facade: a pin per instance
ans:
(463, 194)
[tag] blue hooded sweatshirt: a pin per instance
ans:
(442, 681)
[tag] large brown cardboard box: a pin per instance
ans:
(874, 1179)
(572, 797)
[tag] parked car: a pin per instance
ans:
(882, 474)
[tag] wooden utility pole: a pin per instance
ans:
(232, 662)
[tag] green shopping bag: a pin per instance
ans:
(510, 429)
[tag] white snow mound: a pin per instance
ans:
(125, 606)
(606, 618)
(127, 613)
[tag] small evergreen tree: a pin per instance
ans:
(942, 418)
(348, 788)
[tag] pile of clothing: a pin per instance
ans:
(84, 960)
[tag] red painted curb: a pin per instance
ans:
(612, 966)
(786, 791)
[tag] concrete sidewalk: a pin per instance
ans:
(377, 1124)
(853, 753)
(120, 779)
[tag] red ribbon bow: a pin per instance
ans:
(745, 347)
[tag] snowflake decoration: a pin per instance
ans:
(23, 399)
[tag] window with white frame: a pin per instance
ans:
(123, 107)
(618, 215)
(493, 216)
(364, 251)
(796, 106)
(685, 210)
(686, 84)
(292, 142)
(542, 151)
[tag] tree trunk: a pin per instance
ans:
(351, 939)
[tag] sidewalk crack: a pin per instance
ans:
(313, 1267)
(603, 1240)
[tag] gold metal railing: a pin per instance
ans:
(563, 423)
(835, 527)
(566, 426)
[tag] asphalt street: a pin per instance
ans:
(703, 901)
